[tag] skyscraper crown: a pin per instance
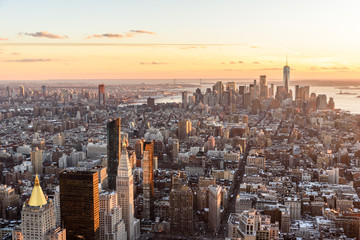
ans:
(37, 196)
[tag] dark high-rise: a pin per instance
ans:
(102, 94)
(113, 150)
(79, 204)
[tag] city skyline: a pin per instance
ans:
(165, 40)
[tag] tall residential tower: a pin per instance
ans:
(113, 150)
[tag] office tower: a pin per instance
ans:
(286, 77)
(151, 103)
(36, 161)
(8, 91)
(37, 215)
(214, 207)
(102, 94)
(175, 150)
(112, 226)
(125, 192)
(227, 99)
(218, 90)
(331, 104)
(79, 204)
(148, 180)
(184, 96)
(198, 96)
(21, 91)
(321, 102)
(43, 89)
(113, 150)
(281, 93)
(184, 128)
(181, 210)
(139, 149)
(158, 149)
(264, 90)
(272, 90)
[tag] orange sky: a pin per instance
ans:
(158, 40)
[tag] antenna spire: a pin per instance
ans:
(286, 60)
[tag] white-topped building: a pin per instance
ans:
(125, 192)
(112, 226)
(38, 217)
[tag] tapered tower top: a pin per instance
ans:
(37, 196)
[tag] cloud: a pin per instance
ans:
(108, 35)
(29, 60)
(231, 69)
(256, 63)
(152, 63)
(254, 46)
(44, 34)
(15, 53)
(132, 33)
(233, 62)
(143, 32)
(271, 69)
(3, 39)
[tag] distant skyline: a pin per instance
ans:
(164, 39)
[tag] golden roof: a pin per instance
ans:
(37, 196)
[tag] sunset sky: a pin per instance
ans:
(78, 39)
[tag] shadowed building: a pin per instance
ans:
(181, 210)
(113, 150)
(79, 204)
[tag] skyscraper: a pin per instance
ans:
(184, 96)
(113, 150)
(214, 207)
(21, 91)
(184, 128)
(125, 192)
(37, 215)
(286, 77)
(79, 204)
(36, 161)
(264, 90)
(112, 226)
(148, 180)
(181, 210)
(218, 90)
(102, 94)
